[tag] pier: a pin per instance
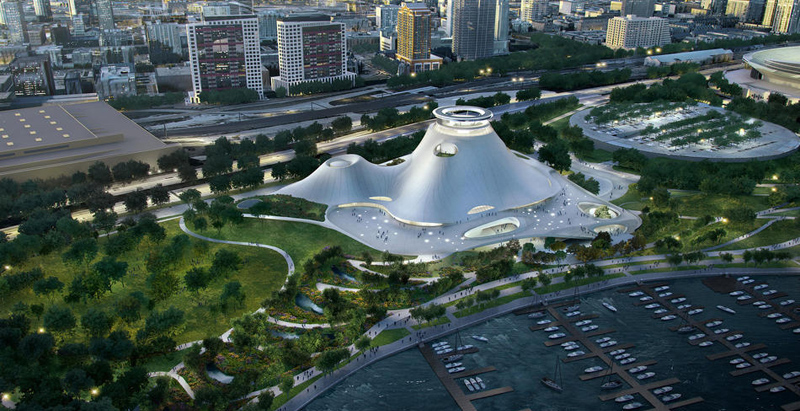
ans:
(462, 399)
(573, 333)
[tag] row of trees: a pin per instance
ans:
(390, 117)
(498, 99)
(583, 79)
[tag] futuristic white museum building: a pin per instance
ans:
(461, 188)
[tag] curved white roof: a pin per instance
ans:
(781, 64)
(460, 168)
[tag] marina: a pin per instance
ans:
(521, 359)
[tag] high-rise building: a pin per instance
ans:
(169, 36)
(783, 16)
(532, 10)
(15, 20)
(737, 8)
(105, 15)
(78, 25)
(224, 54)
(414, 38)
(268, 24)
(631, 32)
(43, 10)
(310, 48)
(639, 8)
(77, 7)
(33, 76)
(386, 16)
(501, 27)
(473, 28)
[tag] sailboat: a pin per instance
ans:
(608, 383)
(551, 383)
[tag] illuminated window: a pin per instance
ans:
(38, 139)
(41, 111)
(33, 132)
(46, 116)
(10, 143)
(480, 209)
(59, 128)
(66, 135)
(22, 120)
(27, 126)
(17, 114)
(52, 122)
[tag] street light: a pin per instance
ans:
(95, 391)
(41, 330)
(649, 52)
(658, 50)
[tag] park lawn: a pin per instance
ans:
(762, 190)
(715, 205)
(669, 268)
(776, 233)
(263, 271)
(438, 321)
(163, 362)
(300, 240)
(583, 281)
(732, 230)
(598, 156)
(631, 200)
(561, 123)
(490, 304)
(389, 336)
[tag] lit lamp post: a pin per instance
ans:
(41, 330)
(94, 392)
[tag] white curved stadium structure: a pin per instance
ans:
(777, 66)
(461, 181)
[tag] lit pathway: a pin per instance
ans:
(174, 375)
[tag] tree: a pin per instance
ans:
(75, 381)
(190, 196)
(164, 285)
(545, 279)
(110, 271)
(100, 173)
(287, 382)
(327, 361)
(159, 195)
(529, 284)
(96, 322)
(59, 319)
(187, 173)
(661, 197)
(196, 279)
(213, 346)
(363, 343)
(104, 220)
(266, 398)
(136, 201)
(556, 154)
(727, 257)
(48, 286)
(81, 252)
(532, 93)
(225, 262)
(342, 124)
(674, 259)
(232, 294)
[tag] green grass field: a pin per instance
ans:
(263, 272)
(300, 240)
(389, 336)
(776, 233)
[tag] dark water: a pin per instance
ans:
(406, 382)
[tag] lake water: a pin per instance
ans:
(406, 382)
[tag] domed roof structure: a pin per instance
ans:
(460, 168)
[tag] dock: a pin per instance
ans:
(725, 284)
(574, 333)
(462, 399)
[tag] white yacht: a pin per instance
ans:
(744, 298)
(736, 293)
(734, 337)
(760, 287)
(706, 343)
(790, 375)
(455, 370)
(617, 352)
(624, 398)
(584, 322)
(646, 375)
(765, 307)
(743, 278)
(695, 311)
(796, 331)
(668, 317)
(742, 344)
(596, 368)
(684, 306)
(468, 383)
(575, 354)
(453, 365)
(638, 369)
(743, 365)
(677, 300)
(556, 336)
(628, 360)
(608, 344)
(760, 355)
(632, 406)
(666, 294)
(538, 314)
(768, 360)
(573, 314)
(572, 347)
(714, 323)
(551, 329)
(661, 311)
(480, 338)
(602, 340)
(751, 281)
(769, 292)
(611, 307)
(480, 382)
(760, 381)
(651, 306)
(662, 288)
(783, 320)
(696, 336)
(736, 361)
(726, 309)
(636, 294)
(543, 322)
(779, 388)
(721, 330)
(774, 315)
(622, 356)
(590, 328)
(787, 302)
(670, 397)
(662, 390)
